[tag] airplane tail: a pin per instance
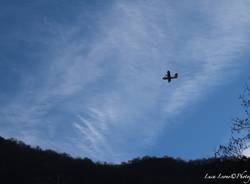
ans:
(176, 75)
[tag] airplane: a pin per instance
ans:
(169, 77)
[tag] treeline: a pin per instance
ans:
(21, 164)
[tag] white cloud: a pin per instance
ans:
(109, 87)
(246, 152)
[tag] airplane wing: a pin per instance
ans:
(168, 74)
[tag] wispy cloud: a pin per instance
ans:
(107, 87)
(216, 51)
(96, 139)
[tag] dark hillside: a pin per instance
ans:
(20, 163)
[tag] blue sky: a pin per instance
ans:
(85, 77)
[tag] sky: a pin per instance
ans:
(85, 77)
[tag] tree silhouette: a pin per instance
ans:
(20, 163)
(240, 131)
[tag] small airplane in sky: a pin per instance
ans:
(169, 77)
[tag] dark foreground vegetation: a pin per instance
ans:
(21, 164)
